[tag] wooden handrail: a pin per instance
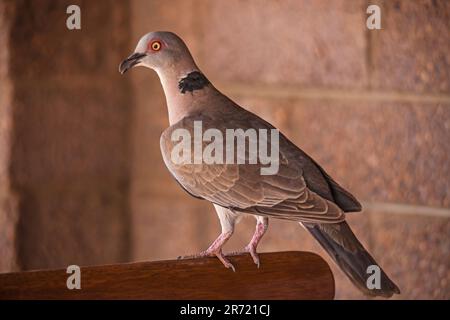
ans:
(282, 275)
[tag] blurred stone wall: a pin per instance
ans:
(373, 107)
(81, 176)
(8, 209)
(69, 147)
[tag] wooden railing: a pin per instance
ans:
(282, 275)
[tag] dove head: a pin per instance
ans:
(160, 51)
(180, 77)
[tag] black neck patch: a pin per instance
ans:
(193, 81)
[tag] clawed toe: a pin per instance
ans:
(253, 254)
(225, 261)
(210, 253)
(197, 255)
(251, 251)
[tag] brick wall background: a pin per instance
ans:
(80, 148)
(8, 209)
(68, 151)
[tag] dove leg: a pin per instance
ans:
(262, 223)
(227, 221)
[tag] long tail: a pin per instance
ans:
(349, 254)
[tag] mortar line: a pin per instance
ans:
(406, 209)
(287, 92)
(368, 51)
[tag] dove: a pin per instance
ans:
(300, 190)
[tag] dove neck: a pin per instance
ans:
(184, 89)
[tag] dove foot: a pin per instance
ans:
(261, 228)
(215, 250)
(251, 249)
(225, 261)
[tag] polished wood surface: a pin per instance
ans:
(282, 275)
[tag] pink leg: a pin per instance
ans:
(261, 227)
(227, 221)
(260, 230)
(215, 249)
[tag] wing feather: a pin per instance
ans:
(241, 187)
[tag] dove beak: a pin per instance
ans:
(130, 62)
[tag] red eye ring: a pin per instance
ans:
(155, 45)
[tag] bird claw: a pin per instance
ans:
(254, 254)
(202, 254)
(252, 251)
(210, 253)
(226, 263)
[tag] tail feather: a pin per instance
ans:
(349, 254)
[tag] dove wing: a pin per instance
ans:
(242, 187)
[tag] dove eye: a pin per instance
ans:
(155, 45)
